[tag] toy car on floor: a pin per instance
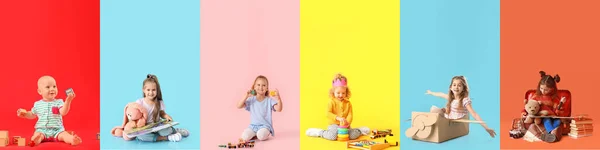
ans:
(381, 133)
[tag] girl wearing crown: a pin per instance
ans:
(339, 112)
(459, 103)
(261, 106)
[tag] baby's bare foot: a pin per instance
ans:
(75, 140)
(37, 138)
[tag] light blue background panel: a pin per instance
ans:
(159, 37)
(441, 39)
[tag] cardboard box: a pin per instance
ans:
(4, 139)
(434, 127)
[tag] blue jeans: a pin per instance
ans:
(151, 137)
(551, 124)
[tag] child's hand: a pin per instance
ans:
(168, 118)
(21, 112)
(71, 96)
(428, 92)
(249, 94)
(340, 119)
(276, 95)
(491, 132)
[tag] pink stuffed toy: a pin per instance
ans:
(135, 116)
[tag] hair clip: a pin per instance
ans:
(150, 76)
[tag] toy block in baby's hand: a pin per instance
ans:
(69, 91)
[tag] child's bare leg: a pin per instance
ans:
(436, 110)
(69, 138)
(37, 138)
(161, 138)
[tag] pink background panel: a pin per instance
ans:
(240, 40)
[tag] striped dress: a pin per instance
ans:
(458, 113)
(48, 114)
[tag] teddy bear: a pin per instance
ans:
(533, 109)
(135, 115)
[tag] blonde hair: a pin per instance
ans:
(266, 80)
(463, 95)
(332, 89)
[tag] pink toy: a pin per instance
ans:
(135, 116)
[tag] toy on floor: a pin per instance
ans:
(153, 127)
(392, 140)
(242, 144)
(366, 145)
(381, 133)
(19, 141)
(518, 129)
(343, 132)
(4, 141)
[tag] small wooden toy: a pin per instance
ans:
(15, 140)
(253, 92)
(4, 140)
(69, 91)
(241, 144)
(273, 93)
(381, 133)
(366, 145)
(20, 141)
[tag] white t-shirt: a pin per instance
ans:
(150, 108)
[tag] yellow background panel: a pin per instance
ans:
(361, 40)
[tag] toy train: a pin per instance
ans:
(242, 144)
(381, 133)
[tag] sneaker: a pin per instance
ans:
(183, 132)
(550, 138)
(314, 132)
(174, 137)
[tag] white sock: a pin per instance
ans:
(174, 137)
(364, 130)
(183, 132)
(314, 132)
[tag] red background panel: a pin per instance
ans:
(57, 38)
(559, 37)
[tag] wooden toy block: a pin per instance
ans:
(273, 93)
(69, 91)
(15, 139)
(4, 139)
(366, 145)
(21, 141)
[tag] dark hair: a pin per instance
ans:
(261, 77)
(550, 82)
(158, 99)
(464, 94)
